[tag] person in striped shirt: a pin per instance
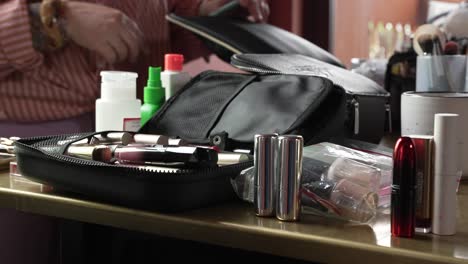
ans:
(46, 90)
(51, 89)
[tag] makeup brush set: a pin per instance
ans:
(441, 62)
(151, 152)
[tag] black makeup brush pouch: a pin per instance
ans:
(284, 94)
(42, 159)
(227, 36)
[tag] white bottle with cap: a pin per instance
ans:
(118, 108)
(447, 173)
(173, 78)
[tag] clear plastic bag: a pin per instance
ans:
(336, 182)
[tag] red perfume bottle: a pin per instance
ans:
(403, 208)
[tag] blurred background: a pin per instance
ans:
(341, 26)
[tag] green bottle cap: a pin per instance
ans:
(154, 93)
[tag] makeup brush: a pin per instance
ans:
(97, 153)
(426, 44)
(427, 29)
(463, 44)
(451, 48)
(437, 50)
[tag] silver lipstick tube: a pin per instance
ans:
(265, 171)
(289, 162)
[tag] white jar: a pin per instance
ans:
(118, 108)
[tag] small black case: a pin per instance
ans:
(42, 159)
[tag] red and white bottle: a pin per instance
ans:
(173, 78)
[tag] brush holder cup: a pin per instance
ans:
(445, 73)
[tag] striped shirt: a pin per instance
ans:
(64, 84)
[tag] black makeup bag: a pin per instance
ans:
(42, 159)
(285, 94)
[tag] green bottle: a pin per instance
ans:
(153, 95)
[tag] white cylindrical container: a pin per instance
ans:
(446, 173)
(118, 108)
(418, 110)
(173, 78)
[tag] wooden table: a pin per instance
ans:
(235, 225)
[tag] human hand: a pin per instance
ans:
(104, 30)
(258, 9)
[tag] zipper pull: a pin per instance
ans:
(355, 103)
(388, 108)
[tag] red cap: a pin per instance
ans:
(173, 62)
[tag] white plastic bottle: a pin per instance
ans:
(173, 78)
(118, 108)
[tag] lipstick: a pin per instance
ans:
(424, 178)
(289, 162)
(403, 188)
(189, 156)
(265, 171)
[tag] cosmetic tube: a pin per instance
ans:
(151, 139)
(446, 173)
(264, 174)
(403, 188)
(289, 162)
(229, 158)
(188, 156)
(177, 142)
(98, 153)
(424, 178)
(123, 138)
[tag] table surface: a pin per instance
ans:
(235, 225)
